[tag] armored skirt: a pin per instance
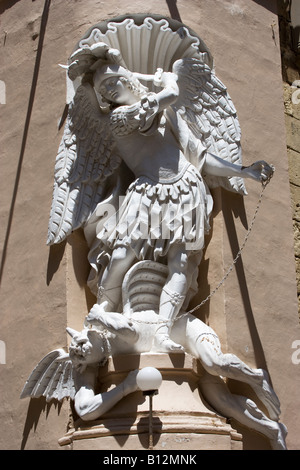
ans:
(153, 216)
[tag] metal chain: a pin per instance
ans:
(264, 185)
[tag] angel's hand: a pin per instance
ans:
(163, 79)
(129, 383)
(157, 79)
(114, 55)
(259, 171)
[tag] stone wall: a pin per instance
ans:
(291, 93)
(42, 289)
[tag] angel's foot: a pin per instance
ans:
(267, 395)
(164, 344)
(94, 315)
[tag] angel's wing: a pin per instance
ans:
(52, 378)
(208, 115)
(86, 159)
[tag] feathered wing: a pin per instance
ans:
(206, 113)
(52, 378)
(85, 161)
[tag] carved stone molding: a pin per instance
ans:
(181, 419)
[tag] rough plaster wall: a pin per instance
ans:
(33, 297)
(261, 319)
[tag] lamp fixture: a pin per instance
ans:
(149, 380)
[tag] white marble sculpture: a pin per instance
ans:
(75, 374)
(165, 139)
(144, 141)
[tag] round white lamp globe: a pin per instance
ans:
(149, 378)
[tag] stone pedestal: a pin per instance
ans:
(181, 419)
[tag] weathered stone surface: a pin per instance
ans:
(293, 132)
(294, 166)
(292, 100)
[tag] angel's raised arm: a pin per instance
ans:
(153, 104)
(170, 91)
(168, 82)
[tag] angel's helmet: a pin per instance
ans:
(86, 348)
(117, 84)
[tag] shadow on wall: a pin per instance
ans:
(271, 6)
(35, 409)
(4, 5)
(234, 208)
(56, 253)
(174, 13)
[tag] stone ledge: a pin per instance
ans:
(183, 424)
(178, 409)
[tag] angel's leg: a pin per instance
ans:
(244, 410)
(172, 298)
(110, 288)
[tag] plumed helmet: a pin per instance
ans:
(111, 70)
(114, 70)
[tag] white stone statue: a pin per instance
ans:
(74, 374)
(164, 139)
(140, 150)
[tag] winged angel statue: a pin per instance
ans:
(136, 161)
(173, 143)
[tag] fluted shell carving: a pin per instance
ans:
(150, 45)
